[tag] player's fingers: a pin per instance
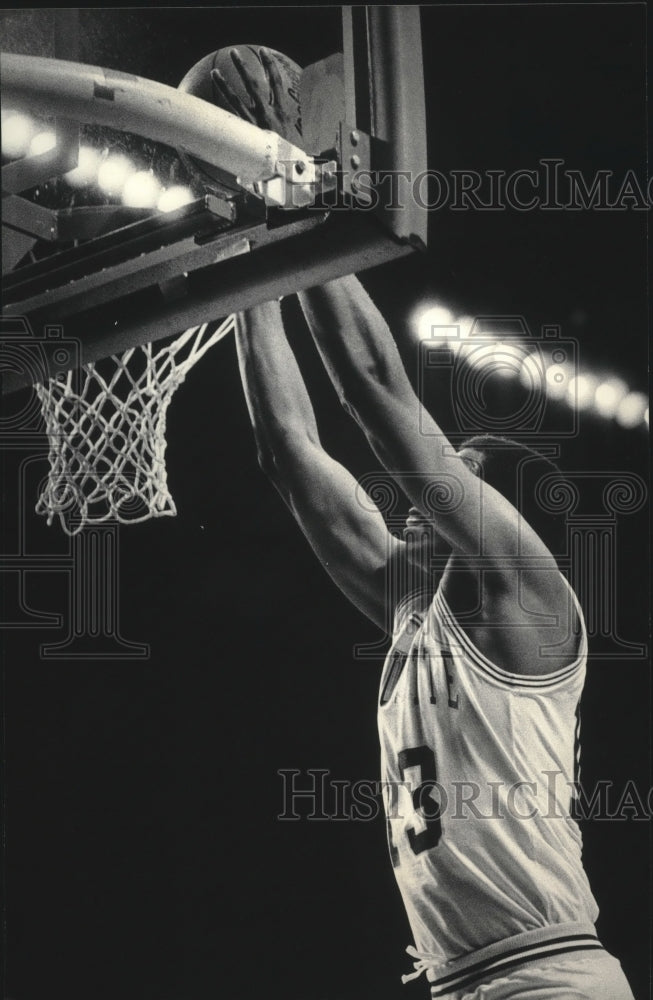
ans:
(225, 97)
(274, 76)
(222, 93)
(248, 83)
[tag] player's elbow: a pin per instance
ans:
(274, 463)
(280, 455)
(265, 458)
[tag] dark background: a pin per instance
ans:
(144, 857)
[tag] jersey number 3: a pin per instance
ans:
(419, 774)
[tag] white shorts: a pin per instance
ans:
(591, 975)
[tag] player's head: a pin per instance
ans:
(516, 471)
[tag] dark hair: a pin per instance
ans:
(529, 480)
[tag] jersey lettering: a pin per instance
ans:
(394, 673)
(447, 662)
(419, 773)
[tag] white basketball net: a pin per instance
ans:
(107, 440)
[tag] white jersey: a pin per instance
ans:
(479, 765)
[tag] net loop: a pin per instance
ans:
(106, 427)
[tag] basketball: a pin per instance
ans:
(200, 82)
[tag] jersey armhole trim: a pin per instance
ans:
(506, 677)
(415, 603)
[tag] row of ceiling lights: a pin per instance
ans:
(114, 174)
(548, 369)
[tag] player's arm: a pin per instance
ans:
(365, 366)
(347, 533)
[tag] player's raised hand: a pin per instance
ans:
(227, 98)
(272, 105)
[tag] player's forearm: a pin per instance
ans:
(364, 363)
(279, 406)
(356, 345)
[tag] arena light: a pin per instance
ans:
(580, 391)
(114, 172)
(532, 373)
(508, 358)
(493, 352)
(557, 380)
(459, 332)
(86, 171)
(632, 410)
(141, 190)
(17, 132)
(483, 329)
(174, 198)
(428, 321)
(42, 142)
(464, 326)
(479, 355)
(609, 395)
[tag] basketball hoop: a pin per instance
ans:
(362, 113)
(107, 434)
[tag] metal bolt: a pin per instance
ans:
(355, 161)
(299, 167)
(354, 138)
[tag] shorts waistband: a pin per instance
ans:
(510, 953)
(530, 946)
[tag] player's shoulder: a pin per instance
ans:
(515, 635)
